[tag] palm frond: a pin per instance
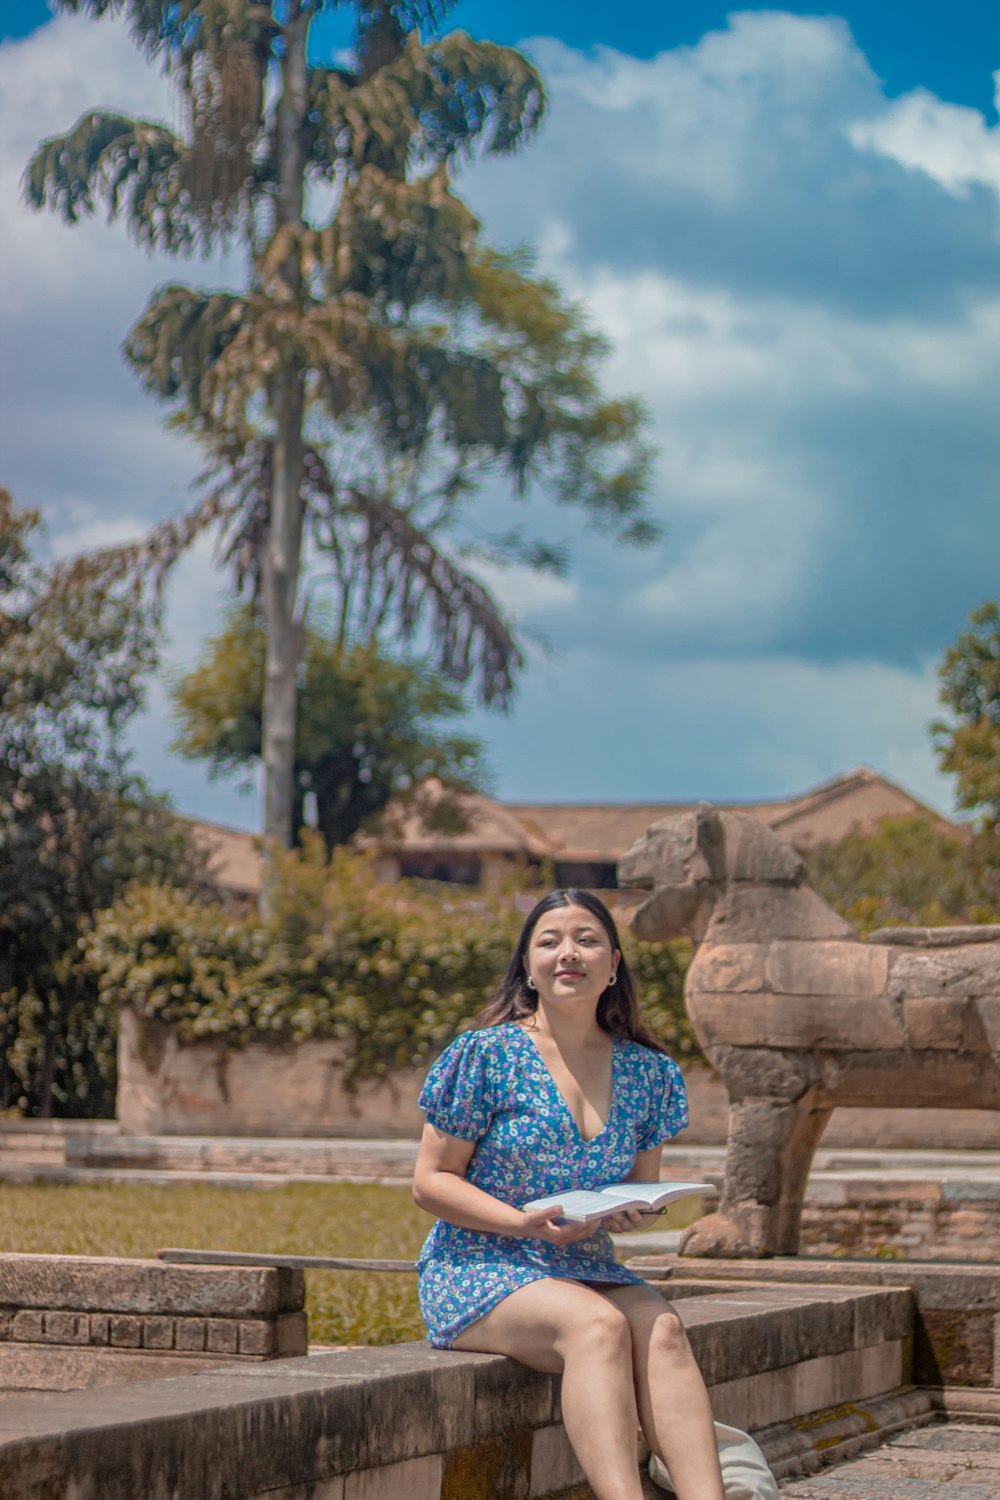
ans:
(405, 585)
(138, 169)
(425, 104)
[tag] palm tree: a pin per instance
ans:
(380, 362)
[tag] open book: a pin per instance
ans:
(579, 1207)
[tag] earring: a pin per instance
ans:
(529, 982)
(612, 980)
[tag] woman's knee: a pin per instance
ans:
(604, 1330)
(661, 1331)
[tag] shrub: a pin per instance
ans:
(395, 971)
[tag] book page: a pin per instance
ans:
(580, 1206)
(654, 1193)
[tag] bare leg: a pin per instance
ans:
(674, 1408)
(563, 1327)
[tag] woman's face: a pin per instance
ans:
(570, 957)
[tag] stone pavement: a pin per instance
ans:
(952, 1460)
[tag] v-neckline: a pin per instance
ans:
(584, 1140)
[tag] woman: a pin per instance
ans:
(565, 1087)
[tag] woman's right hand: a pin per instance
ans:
(541, 1224)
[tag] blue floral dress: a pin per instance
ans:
(492, 1087)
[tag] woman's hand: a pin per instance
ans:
(629, 1218)
(541, 1224)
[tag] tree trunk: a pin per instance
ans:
(47, 1079)
(283, 546)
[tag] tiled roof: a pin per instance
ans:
(601, 831)
(234, 856)
(491, 828)
(595, 832)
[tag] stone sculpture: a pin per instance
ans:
(799, 1016)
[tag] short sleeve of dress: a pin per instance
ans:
(668, 1108)
(457, 1096)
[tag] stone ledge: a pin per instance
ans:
(324, 1425)
(751, 1329)
(80, 1283)
(956, 1324)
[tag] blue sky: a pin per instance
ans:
(787, 221)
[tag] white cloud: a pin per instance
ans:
(522, 592)
(948, 142)
(50, 79)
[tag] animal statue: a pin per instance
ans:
(798, 1016)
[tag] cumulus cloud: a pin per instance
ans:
(948, 142)
(730, 164)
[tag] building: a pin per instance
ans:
(580, 843)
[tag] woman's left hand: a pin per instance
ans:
(628, 1219)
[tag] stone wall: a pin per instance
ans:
(914, 1220)
(261, 1088)
(376, 1424)
(68, 1321)
(271, 1088)
(956, 1322)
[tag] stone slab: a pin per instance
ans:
(42, 1367)
(858, 1022)
(125, 1286)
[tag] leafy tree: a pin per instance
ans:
(366, 724)
(380, 363)
(75, 826)
(909, 872)
(969, 745)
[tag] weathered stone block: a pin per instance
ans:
(913, 972)
(554, 1465)
(326, 1489)
(771, 1396)
(221, 1336)
(862, 1023)
(415, 1479)
(291, 1334)
(492, 1469)
(256, 1338)
(881, 1369)
(827, 968)
(954, 1346)
(81, 1283)
(65, 1328)
(933, 1022)
(987, 1008)
(755, 1072)
(189, 1333)
(732, 966)
(27, 1327)
(126, 1332)
(426, 1399)
(731, 1401)
(157, 1333)
(99, 1328)
(501, 1403)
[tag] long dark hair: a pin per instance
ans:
(618, 1010)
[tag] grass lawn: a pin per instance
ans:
(344, 1307)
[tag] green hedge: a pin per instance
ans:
(396, 971)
